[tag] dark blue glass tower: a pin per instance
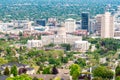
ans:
(85, 21)
(41, 22)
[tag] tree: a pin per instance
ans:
(97, 78)
(117, 70)
(54, 70)
(81, 62)
(64, 59)
(20, 33)
(57, 78)
(54, 61)
(46, 70)
(117, 78)
(3, 61)
(21, 77)
(75, 71)
(51, 45)
(66, 46)
(103, 72)
(14, 70)
(6, 71)
(40, 69)
(35, 78)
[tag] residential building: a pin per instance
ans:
(70, 25)
(34, 43)
(81, 46)
(107, 26)
(98, 19)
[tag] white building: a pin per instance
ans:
(61, 38)
(107, 26)
(34, 43)
(70, 25)
(81, 46)
(98, 19)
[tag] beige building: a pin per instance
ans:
(107, 26)
(34, 43)
(70, 25)
(98, 19)
(81, 46)
(60, 38)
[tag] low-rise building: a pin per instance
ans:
(81, 46)
(34, 43)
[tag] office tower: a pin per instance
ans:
(41, 22)
(85, 20)
(70, 25)
(78, 25)
(107, 26)
(98, 19)
(92, 25)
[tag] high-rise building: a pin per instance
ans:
(92, 26)
(107, 26)
(70, 25)
(98, 19)
(41, 22)
(85, 20)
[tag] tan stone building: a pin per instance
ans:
(107, 26)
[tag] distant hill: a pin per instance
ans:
(34, 9)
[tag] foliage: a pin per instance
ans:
(57, 78)
(14, 70)
(35, 78)
(97, 78)
(51, 45)
(20, 33)
(66, 46)
(117, 70)
(21, 77)
(103, 72)
(46, 70)
(75, 71)
(117, 78)
(40, 69)
(3, 61)
(81, 62)
(64, 59)
(6, 71)
(54, 61)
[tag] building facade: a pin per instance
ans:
(98, 19)
(85, 21)
(107, 26)
(70, 25)
(41, 22)
(81, 46)
(34, 43)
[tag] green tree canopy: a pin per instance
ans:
(21, 77)
(14, 70)
(46, 70)
(3, 61)
(117, 78)
(75, 71)
(6, 71)
(117, 70)
(103, 72)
